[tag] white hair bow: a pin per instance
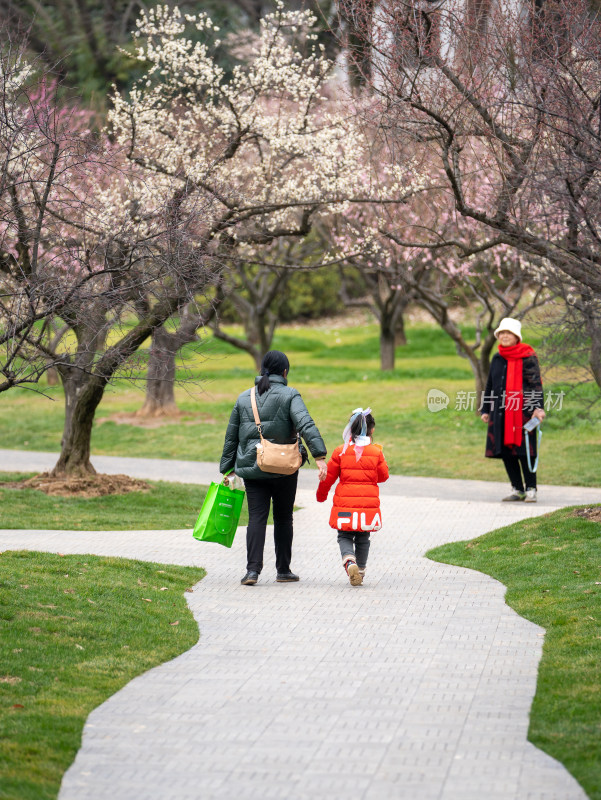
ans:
(361, 440)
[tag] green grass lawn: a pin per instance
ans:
(551, 566)
(73, 631)
(335, 370)
(76, 629)
(167, 506)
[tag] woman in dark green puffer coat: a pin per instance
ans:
(282, 413)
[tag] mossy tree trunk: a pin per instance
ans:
(87, 373)
(160, 380)
(82, 396)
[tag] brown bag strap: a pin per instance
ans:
(253, 402)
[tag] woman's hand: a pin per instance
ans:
(539, 413)
(484, 417)
(323, 468)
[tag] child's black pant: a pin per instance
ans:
(354, 543)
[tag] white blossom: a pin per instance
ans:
(264, 137)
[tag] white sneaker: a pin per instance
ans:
(515, 496)
(530, 496)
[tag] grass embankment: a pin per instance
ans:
(73, 631)
(167, 506)
(551, 566)
(336, 369)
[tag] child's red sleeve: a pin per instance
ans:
(331, 478)
(382, 469)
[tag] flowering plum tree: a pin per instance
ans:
(256, 286)
(510, 92)
(387, 295)
(76, 249)
(408, 254)
(114, 237)
(266, 146)
(39, 158)
(265, 143)
(397, 188)
(76, 41)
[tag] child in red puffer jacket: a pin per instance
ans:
(360, 466)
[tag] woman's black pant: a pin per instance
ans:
(259, 494)
(515, 465)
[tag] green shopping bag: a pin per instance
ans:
(219, 515)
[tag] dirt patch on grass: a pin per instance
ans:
(150, 422)
(12, 680)
(593, 513)
(90, 486)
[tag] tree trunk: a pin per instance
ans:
(487, 345)
(52, 376)
(390, 303)
(260, 327)
(594, 331)
(86, 377)
(259, 336)
(83, 393)
(480, 379)
(400, 335)
(358, 18)
(254, 308)
(387, 345)
(160, 380)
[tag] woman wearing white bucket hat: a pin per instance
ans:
(513, 394)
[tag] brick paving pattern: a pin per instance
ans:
(416, 685)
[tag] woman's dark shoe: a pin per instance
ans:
(286, 577)
(250, 578)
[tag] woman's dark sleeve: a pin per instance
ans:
(487, 400)
(532, 384)
(303, 422)
(230, 445)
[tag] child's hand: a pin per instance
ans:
(323, 468)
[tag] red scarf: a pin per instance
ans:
(514, 396)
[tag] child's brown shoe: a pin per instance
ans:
(355, 576)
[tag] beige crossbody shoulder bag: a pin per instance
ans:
(283, 459)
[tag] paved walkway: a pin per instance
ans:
(416, 685)
(203, 472)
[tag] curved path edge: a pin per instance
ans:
(417, 685)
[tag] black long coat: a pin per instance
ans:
(494, 404)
